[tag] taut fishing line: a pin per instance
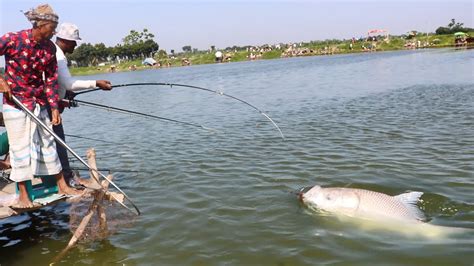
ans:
(75, 103)
(192, 87)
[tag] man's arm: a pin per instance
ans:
(51, 88)
(67, 82)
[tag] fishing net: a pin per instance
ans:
(100, 217)
(98, 212)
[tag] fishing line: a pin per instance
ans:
(62, 143)
(76, 103)
(192, 87)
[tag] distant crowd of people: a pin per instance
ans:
(416, 44)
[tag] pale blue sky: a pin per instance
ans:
(226, 23)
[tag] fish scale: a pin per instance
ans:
(384, 204)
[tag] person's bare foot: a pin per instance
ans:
(68, 190)
(26, 204)
(63, 188)
(89, 182)
(23, 201)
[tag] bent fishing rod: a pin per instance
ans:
(75, 103)
(60, 141)
(82, 137)
(192, 87)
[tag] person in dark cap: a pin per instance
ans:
(31, 75)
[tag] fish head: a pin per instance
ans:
(329, 199)
(309, 195)
(302, 191)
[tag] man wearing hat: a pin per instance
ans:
(66, 40)
(31, 76)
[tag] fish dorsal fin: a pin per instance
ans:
(410, 199)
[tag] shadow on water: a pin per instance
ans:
(37, 237)
(24, 232)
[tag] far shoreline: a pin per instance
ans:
(207, 57)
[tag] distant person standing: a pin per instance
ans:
(31, 75)
(66, 40)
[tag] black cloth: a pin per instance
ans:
(62, 152)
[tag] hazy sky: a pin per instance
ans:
(226, 23)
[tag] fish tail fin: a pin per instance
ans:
(410, 199)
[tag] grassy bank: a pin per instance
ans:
(328, 47)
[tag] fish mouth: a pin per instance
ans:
(302, 191)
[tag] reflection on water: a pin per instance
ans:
(389, 122)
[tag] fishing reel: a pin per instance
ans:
(73, 103)
(69, 99)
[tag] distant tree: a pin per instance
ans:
(132, 38)
(172, 51)
(83, 54)
(149, 47)
(452, 23)
(161, 54)
(135, 37)
(443, 30)
(213, 47)
(187, 48)
(139, 44)
(119, 52)
(100, 52)
(146, 35)
(453, 27)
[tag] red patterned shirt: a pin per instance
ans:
(26, 61)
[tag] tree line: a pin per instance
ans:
(135, 45)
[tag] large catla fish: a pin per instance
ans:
(398, 212)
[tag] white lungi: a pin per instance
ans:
(32, 148)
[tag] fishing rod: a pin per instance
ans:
(60, 141)
(76, 103)
(82, 137)
(191, 87)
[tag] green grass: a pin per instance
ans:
(239, 56)
(272, 54)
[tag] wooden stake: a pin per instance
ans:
(92, 163)
(95, 206)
